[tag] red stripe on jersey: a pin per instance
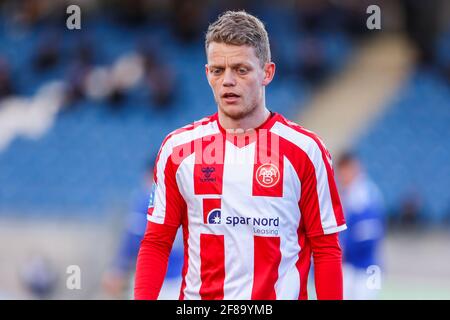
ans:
(175, 203)
(303, 263)
(212, 266)
(267, 258)
(309, 200)
(326, 158)
(208, 168)
(268, 168)
(185, 223)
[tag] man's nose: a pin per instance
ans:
(228, 78)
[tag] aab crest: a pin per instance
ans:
(267, 175)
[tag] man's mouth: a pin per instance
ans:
(230, 97)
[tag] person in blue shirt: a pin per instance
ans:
(117, 280)
(362, 241)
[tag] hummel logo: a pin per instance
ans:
(207, 171)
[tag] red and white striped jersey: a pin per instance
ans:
(247, 204)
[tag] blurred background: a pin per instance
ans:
(84, 111)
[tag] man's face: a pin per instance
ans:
(347, 172)
(237, 78)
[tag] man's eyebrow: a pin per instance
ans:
(232, 65)
(215, 66)
(239, 64)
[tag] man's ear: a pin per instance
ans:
(269, 73)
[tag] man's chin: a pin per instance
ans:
(235, 112)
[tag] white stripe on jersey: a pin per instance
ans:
(287, 286)
(310, 147)
(178, 139)
(193, 282)
(238, 171)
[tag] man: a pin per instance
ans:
(254, 192)
(362, 202)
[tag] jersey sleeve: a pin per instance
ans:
(166, 204)
(320, 205)
(165, 212)
(328, 277)
(152, 261)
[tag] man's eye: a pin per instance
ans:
(217, 71)
(242, 70)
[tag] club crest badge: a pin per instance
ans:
(267, 175)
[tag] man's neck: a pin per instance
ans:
(253, 121)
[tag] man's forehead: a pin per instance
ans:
(222, 53)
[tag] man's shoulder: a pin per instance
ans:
(295, 131)
(204, 126)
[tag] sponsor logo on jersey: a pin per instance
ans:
(151, 201)
(269, 222)
(214, 216)
(267, 175)
(212, 211)
(207, 172)
(260, 226)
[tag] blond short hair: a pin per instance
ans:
(240, 28)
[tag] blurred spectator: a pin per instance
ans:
(117, 281)
(132, 12)
(48, 53)
(6, 85)
(39, 277)
(188, 19)
(362, 203)
(422, 26)
(160, 78)
(116, 99)
(411, 210)
(313, 65)
(26, 12)
(75, 84)
(80, 66)
(311, 14)
(315, 18)
(162, 86)
(126, 72)
(84, 52)
(354, 17)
